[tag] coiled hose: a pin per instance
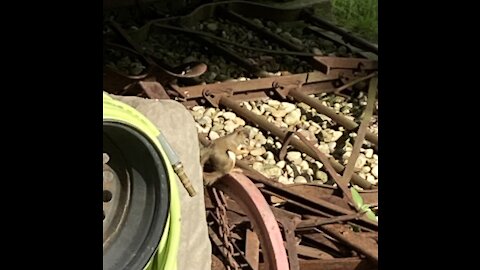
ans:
(166, 256)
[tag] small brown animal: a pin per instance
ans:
(216, 155)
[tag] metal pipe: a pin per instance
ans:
(339, 119)
(281, 134)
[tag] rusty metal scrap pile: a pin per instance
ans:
(307, 91)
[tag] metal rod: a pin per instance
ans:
(339, 119)
(280, 133)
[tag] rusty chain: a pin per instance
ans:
(224, 229)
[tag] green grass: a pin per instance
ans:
(359, 16)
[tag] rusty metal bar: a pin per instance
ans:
(313, 209)
(326, 192)
(372, 92)
(356, 241)
(252, 249)
(251, 95)
(313, 222)
(353, 263)
(280, 133)
(196, 91)
(312, 252)
(355, 81)
(332, 246)
(329, 63)
(337, 118)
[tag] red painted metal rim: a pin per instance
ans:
(244, 192)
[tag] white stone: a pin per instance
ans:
(201, 129)
(213, 135)
(198, 108)
(322, 176)
(369, 153)
(239, 121)
(331, 146)
(252, 132)
(371, 179)
(273, 103)
(278, 145)
(229, 115)
(210, 112)
(217, 127)
(270, 162)
(284, 180)
(366, 169)
(327, 135)
(300, 180)
(229, 126)
(283, 125)
(247, 106)
(304, 106)
(281, 164)
(313, 129)
(289, 170)
(205, 121)
(336, 135)
(325, 118)
(279, 113)
(257, 166)
(295, 157)
(323, 147)
(361, 161)
(197, 114)
(318, 164)
(258, 151)
(272, 171)
(260, 138)
(375, 171)
(288, 107)
(304, 165)
(269, 156)
(293, 117)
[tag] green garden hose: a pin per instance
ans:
(166, 256)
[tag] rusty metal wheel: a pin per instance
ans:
(244, 192)
(136, 198)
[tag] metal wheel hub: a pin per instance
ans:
(116, 197)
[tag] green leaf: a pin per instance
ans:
(371, 215)
(356, 197)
